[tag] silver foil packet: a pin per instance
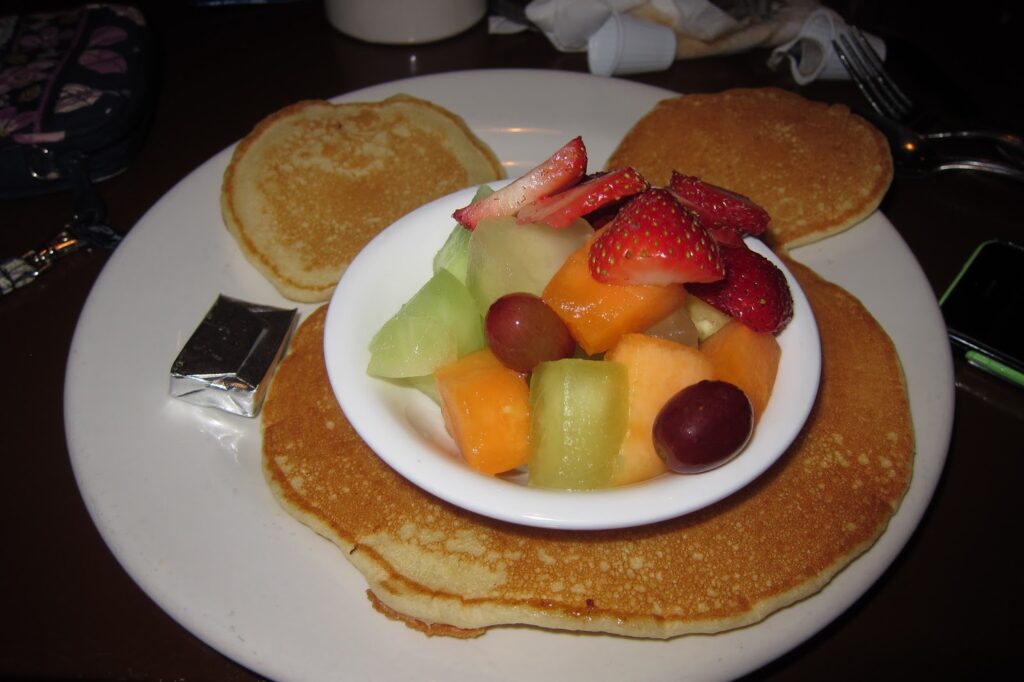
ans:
(229, 359)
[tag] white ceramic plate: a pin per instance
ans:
(406, 429)
(178, 494)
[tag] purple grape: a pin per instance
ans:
(703, 426)
(523, 331)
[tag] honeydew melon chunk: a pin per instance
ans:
(438, 325)
(453, 256)
(706, 318)
(507, 257)
(578, 415)
(425, 385)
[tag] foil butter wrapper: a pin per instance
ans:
(228, 361)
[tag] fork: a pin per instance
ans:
(891, 102)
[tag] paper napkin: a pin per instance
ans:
(810, 55)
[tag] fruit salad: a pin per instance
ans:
(593, 329)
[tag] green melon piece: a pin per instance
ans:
(438, 325)
(454, 255)
(578, 415)
(426, 385)
(706, 318)
(506, 257)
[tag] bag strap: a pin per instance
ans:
(89, 220)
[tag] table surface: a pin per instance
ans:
(950, 602)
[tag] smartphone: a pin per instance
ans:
(984, 309)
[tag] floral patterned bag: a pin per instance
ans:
(76, 88)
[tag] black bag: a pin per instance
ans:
(76, 91)
(76, 94)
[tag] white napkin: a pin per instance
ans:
(568, 24)
(810, 54)
(801, 30)
(702, 27)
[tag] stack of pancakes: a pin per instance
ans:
(447, 571)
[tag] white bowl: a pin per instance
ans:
(405, 428)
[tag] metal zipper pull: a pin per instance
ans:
(21, 271)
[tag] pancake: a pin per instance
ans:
(817, 169)
(314, 182)
(447, 571)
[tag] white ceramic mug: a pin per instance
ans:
(403, 22)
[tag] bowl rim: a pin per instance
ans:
(405, 428)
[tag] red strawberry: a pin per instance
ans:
(563, 169)
(559, 210)
(753, 291)
(654, 240)
(728, 216)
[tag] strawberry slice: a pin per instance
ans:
(564, 168)
(654, 240)
(562, 208)
(753, 291)
(728, 216)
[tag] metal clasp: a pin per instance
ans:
(21, 271)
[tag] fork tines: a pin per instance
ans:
(865, 66)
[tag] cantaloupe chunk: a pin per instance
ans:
(657, 370)
(486, 408)
(746, 358)
(598, 314)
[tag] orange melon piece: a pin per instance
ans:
(746, 358)
(657, 369)
(486, 408)
(598, 314)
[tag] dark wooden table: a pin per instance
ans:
(951, 603)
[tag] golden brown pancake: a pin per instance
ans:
(816, 168)
(447, 571)
(314, 182)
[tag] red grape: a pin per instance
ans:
(703, 426)
(523, 331)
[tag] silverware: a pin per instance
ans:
(1010, 145)
(892, 104)
(868, 72)
(917, 156)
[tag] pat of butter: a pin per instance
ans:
(229, 359)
